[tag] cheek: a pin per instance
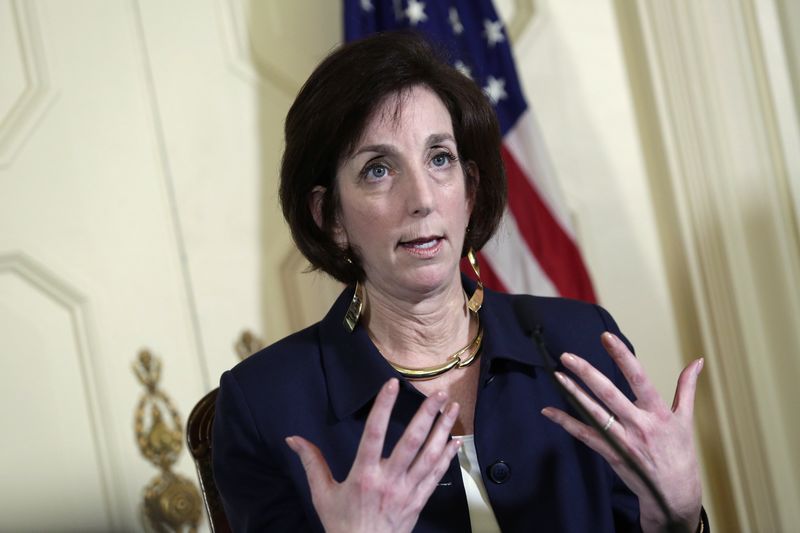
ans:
(363, 224)
(460, 206)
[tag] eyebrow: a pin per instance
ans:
(433, 138)
(436, 138)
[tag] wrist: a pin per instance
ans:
(692, 523)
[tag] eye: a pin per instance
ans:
(375, 171)
(442, 159)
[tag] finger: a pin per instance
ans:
(602, 387)
(647, 397)
(596, 411)
(317, 471)
(585, 434)
(683, 403)
(416, 434)
(428, 484)
(436, 444)
(371, 446)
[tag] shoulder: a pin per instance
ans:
(295, 362)
(554, 314)
(564, 324)
(281, 370)
(284, 357)
(275, 391)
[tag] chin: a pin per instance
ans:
(429, 279)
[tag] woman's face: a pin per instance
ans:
(404, 204)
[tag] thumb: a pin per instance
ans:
(683, 403)
(317, 471)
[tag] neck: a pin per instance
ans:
(419, 333)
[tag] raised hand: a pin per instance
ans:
(658, 437)
(383, 494)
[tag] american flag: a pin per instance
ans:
(534, 250)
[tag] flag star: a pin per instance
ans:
(416, 12)
(495, 89)
(493, 32)
(366, 5)
(463, 68)
(455, 22)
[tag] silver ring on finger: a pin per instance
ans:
(611, 420)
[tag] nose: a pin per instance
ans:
(419, 193)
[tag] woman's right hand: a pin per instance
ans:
(383, 494)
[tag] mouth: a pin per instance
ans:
(423, 246)
(423, 243)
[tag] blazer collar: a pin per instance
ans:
(355, 370)
(504, 337)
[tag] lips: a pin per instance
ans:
(422, 243)
(424, 247)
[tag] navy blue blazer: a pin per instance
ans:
(320, 382)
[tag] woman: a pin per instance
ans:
(392, 173)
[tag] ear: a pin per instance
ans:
(315, 199)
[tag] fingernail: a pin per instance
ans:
(291, 443)
(547, 412)
(700, 363)
(609, 336)
(567, 358)
(391, 385)
(440, 396)
(561, 377)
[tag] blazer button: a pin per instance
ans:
(499, 472)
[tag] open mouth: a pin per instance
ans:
(425, 247)
(422, 244)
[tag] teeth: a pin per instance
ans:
(425, 245)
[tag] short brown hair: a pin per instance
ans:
(328, 118)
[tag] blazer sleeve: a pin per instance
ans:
(256, 494)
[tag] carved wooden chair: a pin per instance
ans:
(199, 428)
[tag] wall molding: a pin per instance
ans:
(777, 24)
(41, 279)
(721, 145)
(19, 120)
(238, 50)
(161, 155)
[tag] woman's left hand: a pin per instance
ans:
(657, 437)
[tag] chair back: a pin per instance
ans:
(199, 429)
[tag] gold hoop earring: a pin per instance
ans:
(476, 300)
(355, 308)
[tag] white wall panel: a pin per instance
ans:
(57, 452)
(223, 85)
(87, 194)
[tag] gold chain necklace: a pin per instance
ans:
(463, 357)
